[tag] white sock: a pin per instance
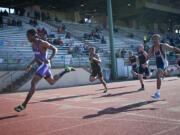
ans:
(158, 91)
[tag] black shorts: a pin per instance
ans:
(135, 68)
(96, 72)
(144, 70)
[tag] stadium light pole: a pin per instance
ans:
(111, 41)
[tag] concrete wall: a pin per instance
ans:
(7, 77)
(79, 77)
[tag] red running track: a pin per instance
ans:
(86, 110)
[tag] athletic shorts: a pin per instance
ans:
(44, 70)
(135, 69)
(96, 72)
(144, 70)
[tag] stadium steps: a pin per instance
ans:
(13, 86)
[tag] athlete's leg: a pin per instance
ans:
(158, 74)
(103, 82)
(52, 79)
(34, 83)
(133, 73)
(140, 76)
(148, 73)
(92, 78)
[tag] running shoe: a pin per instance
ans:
(69, 69)
(141, 89)
(105, 90)
(19, 108)
(155, 96)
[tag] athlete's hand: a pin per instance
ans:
(29, 67)
(48, 61)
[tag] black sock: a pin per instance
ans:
(142, 85)
(62, 73)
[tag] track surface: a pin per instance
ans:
(86, 110)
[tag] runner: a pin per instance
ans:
(159, 51)
(133, 61)
(143, 66)
(40, 49)
(95, 68)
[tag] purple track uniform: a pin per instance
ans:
(44, 68)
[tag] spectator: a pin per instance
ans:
(63, 27)
(59, 29)
(68, 35)
(123, 52)
(103, 41)
(118, 53)
(14, 23)
(8, 22)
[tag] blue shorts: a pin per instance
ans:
(161, 66)
(44, 70)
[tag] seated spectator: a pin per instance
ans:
(31, 22)
(14, 23)
(19, 23)
(44, 32)
(63, 27)
(58, 42)
(59, 29)
(68, 35)
(103, 41)
(8, 22)
(70, 50)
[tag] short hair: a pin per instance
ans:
(156, 36)
(32, 32)
(141, 45)
(92, 48)
(130, 52)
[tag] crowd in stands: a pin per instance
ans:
(19, 11)
(33, 22)
(96, 34)
(14, 22)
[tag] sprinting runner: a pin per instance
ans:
(95, 68)
(133, 61)
(40, 49)
(159, 51)
(143, 66)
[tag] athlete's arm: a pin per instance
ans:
(30, 65)
(50, 47)
(172, 48)
(128, 61)
(145, 54)
(149, 53)
(97, 59)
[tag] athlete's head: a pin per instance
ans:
(156, 39)
(141, 48)
(130, 53)
(31, 35)
(92, 50)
